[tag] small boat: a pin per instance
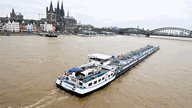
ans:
(101, 70)
(51, 35)
(104, 33)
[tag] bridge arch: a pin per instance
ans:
(172, 31)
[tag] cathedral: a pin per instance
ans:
(57, 17)
(13, 15)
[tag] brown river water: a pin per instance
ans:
(30, 65)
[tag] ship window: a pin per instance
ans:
(96, 59)
(90, 84)
(80, 83)
(89, 73)
(108, 75)
(95, 82)
(103, 78)
(99, 80)
(106, 60)
(111, 74)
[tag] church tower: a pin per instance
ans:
(58, 15)
(51, 7)
(50, 14)
(13, 15)
(62, 10)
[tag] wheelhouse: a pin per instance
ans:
(99, 59)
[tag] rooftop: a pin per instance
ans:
(87, 71)
(99, 56)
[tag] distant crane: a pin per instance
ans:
(34, 13)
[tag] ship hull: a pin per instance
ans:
(83, 92)
(134, 64)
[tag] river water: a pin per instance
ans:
(30, 65)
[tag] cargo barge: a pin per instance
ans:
(101, 70)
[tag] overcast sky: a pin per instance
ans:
(148, 14)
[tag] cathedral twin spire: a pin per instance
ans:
(51, 7)
(60, 11)
(58, 6)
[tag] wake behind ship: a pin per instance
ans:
(101, 70)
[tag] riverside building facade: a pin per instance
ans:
(46, 27)
(13, 26)
(1, 27)
(29, 27)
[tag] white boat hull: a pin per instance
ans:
(82, 91)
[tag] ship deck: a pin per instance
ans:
(91, 75)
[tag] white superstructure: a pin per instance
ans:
(99, 59)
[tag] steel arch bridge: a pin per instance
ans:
(165, 31)
(171, 31)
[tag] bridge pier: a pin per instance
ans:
(147, 35)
